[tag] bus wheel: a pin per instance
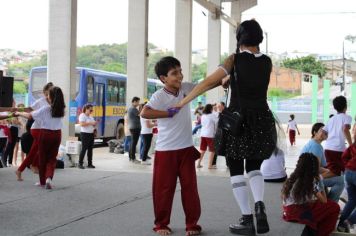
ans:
(120, 132)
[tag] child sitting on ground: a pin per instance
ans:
(304, 199)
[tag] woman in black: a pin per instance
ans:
(249, 79)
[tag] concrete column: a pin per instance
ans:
(236, 15)
(183, 36)
(137, 50)
(62, 46)
(214, 52)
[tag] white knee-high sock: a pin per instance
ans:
(257, 184)
(239, 188)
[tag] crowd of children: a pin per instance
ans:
(311, 194)
(41, 144)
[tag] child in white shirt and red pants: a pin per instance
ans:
(175, 154)
(50, 118)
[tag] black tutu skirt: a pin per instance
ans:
(257, 139)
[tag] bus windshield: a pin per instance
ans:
(38, 80)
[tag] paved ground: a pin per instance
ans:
(115, 199)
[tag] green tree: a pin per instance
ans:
(199, 72)
(20, 87)
(306, 64)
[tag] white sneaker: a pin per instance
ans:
(146, 163)
(126, 154)
(48, 183)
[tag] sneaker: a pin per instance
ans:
(91, 166)
(261, 218)
(149, 158)
(245, 226)
(146, 163)
(343, 227)
(39, 184)
(135, 161)
(48, 183)
(81, 166)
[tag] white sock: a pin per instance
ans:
(239, 188)
(257, 184)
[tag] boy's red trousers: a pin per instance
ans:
(168, 165)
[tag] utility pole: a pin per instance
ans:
(343, 86)
(266, 34)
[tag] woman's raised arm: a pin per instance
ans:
(212, 81)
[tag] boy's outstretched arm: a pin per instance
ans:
(149, 113)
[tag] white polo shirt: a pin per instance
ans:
(45, 119)
(335, 129)
(292, 124)
(38, 104)
(84, 118)
(176, 132)
(144, 128)
(209, 124)
(274, 167)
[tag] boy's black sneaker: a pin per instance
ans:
(91, 166)
(81, 166)
(244, 227)
(343, 227)
(261, 218)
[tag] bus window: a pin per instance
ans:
(90, 89)
(39, 79)
(122, 92)
(77, 78)
(151, 88)
(112, 91)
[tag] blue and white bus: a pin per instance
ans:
(105, 90)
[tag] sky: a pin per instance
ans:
(314, 26)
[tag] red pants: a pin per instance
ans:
(49, 142)
(321, 217)
(292, 136)
(32, 156)
(334, 162)
(168, 165)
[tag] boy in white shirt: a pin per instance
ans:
(175, 154)
(338, 129)
(291, 129)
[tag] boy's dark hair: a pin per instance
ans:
(340, 103)
(249, 33)
(135, 99)
(292, 116)
(165, 64)
(223, 104)
(315, 128)
(300, 184)
(57, 102)
(208, 109)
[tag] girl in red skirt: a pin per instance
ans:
(50, 119)
(304, 199)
